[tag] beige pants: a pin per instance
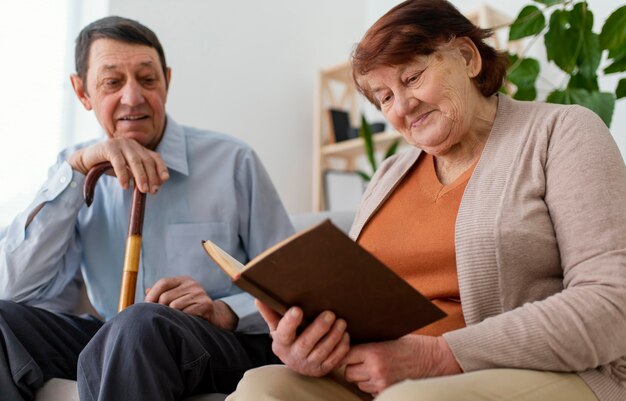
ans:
(279, 383)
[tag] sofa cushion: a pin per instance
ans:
(65, 390)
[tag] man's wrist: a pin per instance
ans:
(224, 316)
(76, 162)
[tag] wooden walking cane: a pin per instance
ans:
(133, 242)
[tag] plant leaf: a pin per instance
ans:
(530, 21)
(583, 82)
(365, 132)
(392, 148)
(618, 65)
(366, 177)
(549, 2)
(561, 43)
(602, 103)
(590, 53)
(620, 91)
(559, 96)
(523, 76)
(525, 73)
(525, 93)
(613, 35)
(581, 18)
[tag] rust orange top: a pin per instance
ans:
(413, 234)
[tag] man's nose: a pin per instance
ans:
(132, 94)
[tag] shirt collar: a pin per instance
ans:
(173, 147)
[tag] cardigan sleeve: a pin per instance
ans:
(583, 326)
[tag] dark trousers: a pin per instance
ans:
(148, 352)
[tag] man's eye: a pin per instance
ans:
(111, 82)
(149, 81)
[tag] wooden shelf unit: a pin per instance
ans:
(335, 89)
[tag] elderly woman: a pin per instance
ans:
(511, 216)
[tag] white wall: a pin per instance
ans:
(248, 68)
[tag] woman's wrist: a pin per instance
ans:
(447, 361)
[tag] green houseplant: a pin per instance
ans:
(365, 132)
(571, 44)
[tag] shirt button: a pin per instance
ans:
(63, 180)
(73, 184)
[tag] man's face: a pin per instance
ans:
(126, 89)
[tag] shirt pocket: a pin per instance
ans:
(186, 256)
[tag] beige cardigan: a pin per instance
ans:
(541, 246)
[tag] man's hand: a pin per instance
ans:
(318, 350)
(374, 367)
(185, 294)
(129, 160)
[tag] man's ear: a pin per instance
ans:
(469, 51)
(168, 77)
(79, 90)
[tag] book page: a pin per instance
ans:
(230, 265)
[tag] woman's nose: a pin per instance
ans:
(405, 104)
(132, 94)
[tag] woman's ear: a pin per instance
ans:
(469, 51)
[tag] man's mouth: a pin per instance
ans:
(133, 118)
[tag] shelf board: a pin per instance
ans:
(356, 147)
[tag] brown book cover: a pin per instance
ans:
(321, 269)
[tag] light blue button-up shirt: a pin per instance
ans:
(218, 190)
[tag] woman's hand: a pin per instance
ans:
(317, 350)
(129, 160)
(374, 367)
(187, 295)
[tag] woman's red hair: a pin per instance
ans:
(418, 27)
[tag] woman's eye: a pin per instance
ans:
(412, 79)
(385, 99)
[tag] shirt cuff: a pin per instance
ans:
(60, 180)
(250, 320)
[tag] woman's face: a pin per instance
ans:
(430, 99)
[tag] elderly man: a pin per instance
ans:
(195, 332)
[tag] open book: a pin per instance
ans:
(321, 269)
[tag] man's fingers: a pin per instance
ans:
(181, 302)
(161, 286)
(160, 167)
(131, 160)
(153, 176)
(136, 165)
(121, 170)
(285, 332)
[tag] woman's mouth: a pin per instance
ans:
(420, 119)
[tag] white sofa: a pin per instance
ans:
(65, 390)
